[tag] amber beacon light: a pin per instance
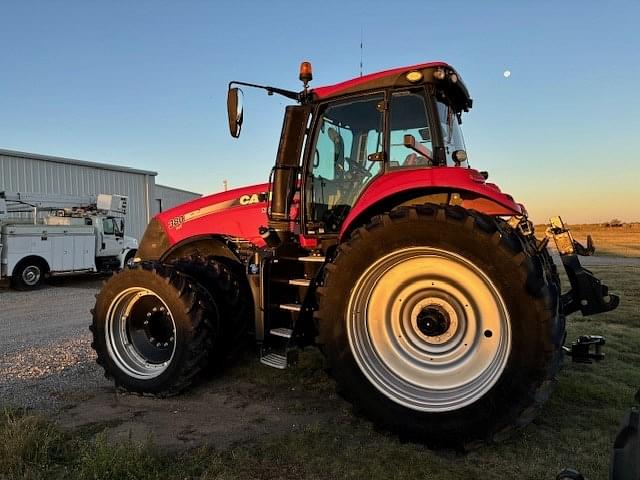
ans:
(306, 74)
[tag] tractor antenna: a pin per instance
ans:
(361, 42)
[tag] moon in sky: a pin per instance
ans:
(507, 73)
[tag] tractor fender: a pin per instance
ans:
(205, 245)
(408, 186)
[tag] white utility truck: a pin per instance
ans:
(43, 235)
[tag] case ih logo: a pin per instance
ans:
(249, 199)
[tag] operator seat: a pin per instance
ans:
(413, 160)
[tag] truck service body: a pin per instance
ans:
(78, 234)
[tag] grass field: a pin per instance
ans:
(575, 429)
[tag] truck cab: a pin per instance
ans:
(113, 247)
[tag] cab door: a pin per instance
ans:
(344, 155)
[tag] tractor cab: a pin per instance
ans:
(341, 139)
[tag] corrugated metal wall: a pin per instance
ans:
(167, 197)
(34, 173)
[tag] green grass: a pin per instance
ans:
(31, 447)
(576, 428)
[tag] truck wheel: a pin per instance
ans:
(28, 274)
(441, 324)
(128, 259)
(153, 329)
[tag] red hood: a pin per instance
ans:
(238, 213)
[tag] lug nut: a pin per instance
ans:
(166, 344)
(158, 344)
(146, 322)
(148, 314)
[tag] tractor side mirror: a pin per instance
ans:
(234, 111)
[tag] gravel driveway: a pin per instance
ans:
(45, 345)
(47, 364)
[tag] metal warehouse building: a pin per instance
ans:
(30, 172)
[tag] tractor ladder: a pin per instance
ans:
(288, 307)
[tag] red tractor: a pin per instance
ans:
(439, 312)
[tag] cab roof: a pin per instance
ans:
(396, 77)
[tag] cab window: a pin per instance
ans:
(409, 120)
(108, 226)
(451, 130)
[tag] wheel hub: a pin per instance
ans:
(433, 321)
(31, 275)
(140, 333)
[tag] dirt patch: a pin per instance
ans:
(217, 413)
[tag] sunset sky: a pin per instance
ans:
(143, 84)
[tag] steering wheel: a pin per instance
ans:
(357, 169)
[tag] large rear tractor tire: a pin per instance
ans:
(442, 324)
(154, 329)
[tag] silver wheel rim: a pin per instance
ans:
(429, 329)
(140, 333)
(31, 275)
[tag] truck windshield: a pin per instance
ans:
(451, 130)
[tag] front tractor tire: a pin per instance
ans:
(154, 329)
(442, 324)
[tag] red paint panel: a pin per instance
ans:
(331, 90)
(237, 213)
(450, 178)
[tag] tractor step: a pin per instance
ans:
(291, 307)
(312, 258)
(296, 282)
(274, 360)
(281, 332)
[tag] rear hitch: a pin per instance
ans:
(581, 350)
(587, 293)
